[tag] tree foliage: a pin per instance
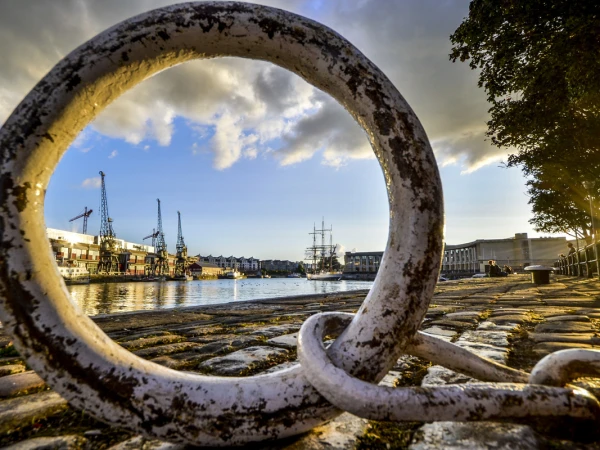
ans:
(301, 270)
(539, 63)
(329, 263)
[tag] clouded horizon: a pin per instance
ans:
(236, 111)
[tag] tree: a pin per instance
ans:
(557, 209)
(301, 270)
(324, 262)
(539, 63)
(559, 199)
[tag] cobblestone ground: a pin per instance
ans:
(509, 320)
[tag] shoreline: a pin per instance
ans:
(289, 298)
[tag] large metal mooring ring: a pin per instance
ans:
(91, 371)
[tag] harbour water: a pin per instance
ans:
(106, 298)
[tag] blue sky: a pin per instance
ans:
(250, 154)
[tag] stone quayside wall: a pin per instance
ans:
(508, 320)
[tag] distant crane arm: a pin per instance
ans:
(83, 214)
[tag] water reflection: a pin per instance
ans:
(117, 297)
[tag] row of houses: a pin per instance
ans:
(251, 264)
(231, 262)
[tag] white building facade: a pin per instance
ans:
(518, 252)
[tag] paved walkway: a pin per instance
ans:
(508, 320)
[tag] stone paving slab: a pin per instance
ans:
(456, 324)
(564, 327)
(235, 363)
(443, 333)
(28, 408)
(167, 349)
(16, 383)
(510, 318)
(51, 443)
(546, 348)
(582, 338)
(475, 436)
(287, 340)
(11, 369)
(569, 318)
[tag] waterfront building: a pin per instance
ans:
(276, 265)
(518, 252)
(199, 269)
(249, 264)
(232, 262)
(362, 265)
(133, 261)
(71, 248)
(219, 261)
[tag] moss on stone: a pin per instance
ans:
(387, 435)
(71, 422)
(8, 351)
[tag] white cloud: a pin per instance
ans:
(92, 183)
(113, 154)
(247, 107)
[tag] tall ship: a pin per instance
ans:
(322, 256)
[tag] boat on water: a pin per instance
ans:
(294, 275)
(322, 256)
(74, 274)
(232, 275)
(154, 278)
(185, 277)
(324, 276)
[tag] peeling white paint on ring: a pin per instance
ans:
(464, 402)
(73, 355)
(562, 366)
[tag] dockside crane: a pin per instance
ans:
(154, 235)
(109, 257)
(85, 214)
(161, 266)
(181, 260)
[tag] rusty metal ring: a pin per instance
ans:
(76, 358)
(455, 402)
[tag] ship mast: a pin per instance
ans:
(331, 249)
(313, 249)
(321, 250)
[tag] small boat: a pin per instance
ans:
(184, 277)
(74, 274)
(294, 275)
(232, 275)
(324, 276)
